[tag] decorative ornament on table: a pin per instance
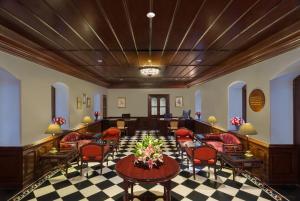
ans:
(148, 153)
(59, 121)
(96, 114)
(198, 114)
(237, 122)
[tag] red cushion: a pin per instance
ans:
(93, 152)
(202, 155)
(216, 144)
(71, 137)
(229, 138)
(184, 139)
(112, 131)
(212, 136)
(183, 132)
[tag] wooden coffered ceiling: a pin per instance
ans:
(193, 40)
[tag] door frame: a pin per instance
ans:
(167, 96)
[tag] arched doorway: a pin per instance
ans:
(10, 117)
(296, 105)
(60, 91)
(237, 102)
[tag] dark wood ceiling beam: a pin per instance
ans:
(48, 60)
(128, 18)
(111, 28)
(283, 41)
(209, 28)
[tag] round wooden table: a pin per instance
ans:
(131, 174)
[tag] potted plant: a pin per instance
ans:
(59, 121)
(96, 114)
(148, 153)
(198, 114)
(237, 122)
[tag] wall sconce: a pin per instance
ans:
(84, 99)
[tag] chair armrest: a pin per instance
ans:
(227, 148)
(66, 145)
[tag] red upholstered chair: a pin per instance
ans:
(202, 156)
(224, 142)
(93, 152)
(74, 140)
(183, 135)
(113, 134)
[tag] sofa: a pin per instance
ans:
(224, 142)
(75, 140)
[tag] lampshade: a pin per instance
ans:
(87, 120)
(53, 129)
(212, 119)
(247, 129)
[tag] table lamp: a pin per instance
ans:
(87, 120)
(247, 129)
(53, 129)
(212, 120)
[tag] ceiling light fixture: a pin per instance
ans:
(149, 69)
(99, 60)
(199, 60)
(150, 15)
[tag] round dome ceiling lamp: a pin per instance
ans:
(149, 70)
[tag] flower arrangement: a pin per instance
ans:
(236, 121)
(96, 114)
(148, 153)
(198, 114)
(59, 120)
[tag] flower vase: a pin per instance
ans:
(199, 116)
(237, 127)
(96, 117)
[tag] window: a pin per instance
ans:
(237, 102)
(158, 105)
(60, 102)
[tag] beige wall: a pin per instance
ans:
(137, 101)
(215, 93)
(36, 82)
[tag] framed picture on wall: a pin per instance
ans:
(79, 103)
(179, 101)
(121, 102)
(88, 102)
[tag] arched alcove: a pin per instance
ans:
(281, 105)
(10, 117)
(61, 105)
(198, 102)
(236, 101)
(97, 103)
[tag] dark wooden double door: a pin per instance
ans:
(297, 118)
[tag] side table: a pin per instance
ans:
(238, 162)
(62, 158)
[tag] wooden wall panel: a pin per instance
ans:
(20, 165)
(281, 162)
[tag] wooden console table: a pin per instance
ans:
(239, 162)
(131, 174)
(62, 158)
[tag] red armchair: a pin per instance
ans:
(224, 142)
(183, 135)
(93, 152)
(202, 156)
(112, 134)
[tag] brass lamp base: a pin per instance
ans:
(248, 154)
(53, 150)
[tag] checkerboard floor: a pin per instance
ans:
(108, 186)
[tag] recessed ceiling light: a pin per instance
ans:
(99, 60)
(199, 60)
(121, 79)
(150, 15)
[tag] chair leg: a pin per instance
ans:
(81, 167)
(215, 172)
(87, 166)
(101, 163)
(208, 171)
(194, 172)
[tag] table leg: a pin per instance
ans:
(131, 194)
(125, 186)
(233, 173)
(167, 190)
